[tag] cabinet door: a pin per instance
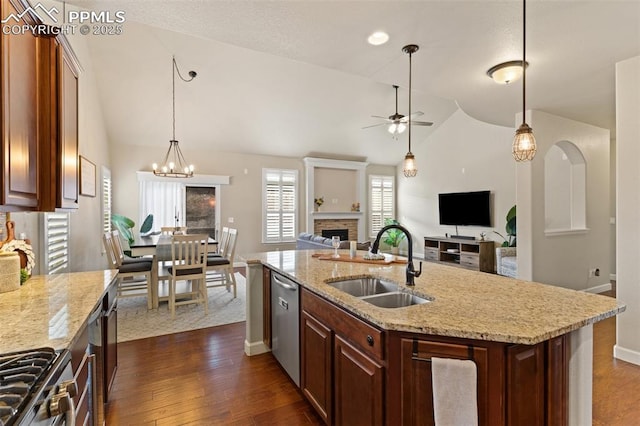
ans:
(525, 385)
(416, 392)
(359, 387)
(19, 75)
(67, 156)
(316, 366)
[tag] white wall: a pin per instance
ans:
(240, 200)
(564, 260)
(628, 205)
(463, 154)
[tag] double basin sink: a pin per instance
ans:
(378, 292)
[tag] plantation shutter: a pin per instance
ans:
(280, 201)
(106, 200)
(56, 243)
(382, 202)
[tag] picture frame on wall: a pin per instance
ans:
(87, 177)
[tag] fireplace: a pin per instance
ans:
(342, 233)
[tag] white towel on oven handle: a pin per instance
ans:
(455, 383)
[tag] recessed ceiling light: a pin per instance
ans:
(378, 38)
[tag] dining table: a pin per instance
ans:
(158, 246)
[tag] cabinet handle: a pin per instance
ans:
(370, 340)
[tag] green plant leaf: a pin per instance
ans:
(123, 224)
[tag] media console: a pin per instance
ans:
(469, 254)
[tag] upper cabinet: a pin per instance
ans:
(38, 119)
(19, 118)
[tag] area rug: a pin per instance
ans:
(135, 321)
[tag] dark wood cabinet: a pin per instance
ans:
(81, 363)
(317, 365)
(21, 131)
(110, 339)
(342, 367)
(67, 162)
(358, 388)
(39, 118)
(415, 405)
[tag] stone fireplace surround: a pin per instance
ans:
(354, 221)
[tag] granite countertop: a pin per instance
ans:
(48, 310)
(465, 304)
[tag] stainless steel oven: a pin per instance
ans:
(36, 388)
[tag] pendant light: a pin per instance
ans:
(174, 164)
(524, 143)
(409, 166)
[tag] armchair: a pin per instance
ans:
(507, 261)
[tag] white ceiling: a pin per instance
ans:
(298, 77)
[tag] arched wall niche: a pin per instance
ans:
(564, 189)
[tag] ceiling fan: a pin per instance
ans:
(398, 122)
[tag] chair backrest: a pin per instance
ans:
(189, 255)
(170, 230)
(222, 242)
(116, 243)
(230, 248)
(107, 240)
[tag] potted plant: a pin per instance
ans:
(393, 237)
(510, 229)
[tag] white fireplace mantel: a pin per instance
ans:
(361, 191)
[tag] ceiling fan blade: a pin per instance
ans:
(417, 114)
(421, 123)
(375, 125)
(384, 118)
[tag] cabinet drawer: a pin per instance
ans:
(469, 260)
(431, 253)
(366, 337)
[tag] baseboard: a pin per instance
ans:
(255, 348)
(626, 355)
(599, 288)
(612, 277)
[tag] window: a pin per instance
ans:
(382, 196)
(279, 201)
(106, 200)
(56, 243)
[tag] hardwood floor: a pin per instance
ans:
(202, 377)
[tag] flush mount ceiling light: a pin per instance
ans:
(524, 144)
(506, 72)
(378, 38)
(409, 167)
(174, 164)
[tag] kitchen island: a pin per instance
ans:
(501, 321)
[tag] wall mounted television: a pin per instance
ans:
(465, 208)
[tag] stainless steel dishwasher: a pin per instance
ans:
(285, 324)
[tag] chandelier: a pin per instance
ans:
(174, 165)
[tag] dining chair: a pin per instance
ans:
(224, 237)
(170, 230)
(188, 254)
(134, 277)
(220, 268)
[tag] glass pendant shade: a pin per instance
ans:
(409, 165)
(524, 144)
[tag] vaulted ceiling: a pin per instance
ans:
(297, 77)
